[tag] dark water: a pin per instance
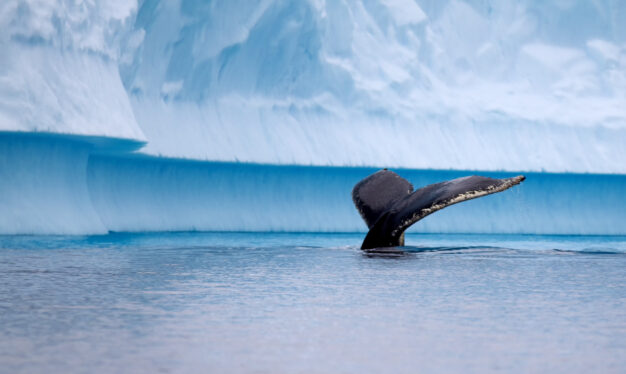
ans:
(311, 303)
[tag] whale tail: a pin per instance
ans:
(389, 205)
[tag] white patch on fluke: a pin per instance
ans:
(508, 183)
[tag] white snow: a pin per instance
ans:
(446, 84)
(405, 12)
(59, 71)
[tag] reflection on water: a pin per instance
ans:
(229, 302)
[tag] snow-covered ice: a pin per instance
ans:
(481, 85)
(478, 85)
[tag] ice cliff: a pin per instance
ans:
(441, 84)
(56, 185)
(59, 68)
(311, 96)
(481, 85)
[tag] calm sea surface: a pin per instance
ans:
(311, 303)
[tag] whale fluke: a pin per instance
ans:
(388, 204)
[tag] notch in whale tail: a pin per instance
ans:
(389, 205)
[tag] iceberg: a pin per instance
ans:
(474, 85)
(65, 185)
(59, 69)
(261, 115)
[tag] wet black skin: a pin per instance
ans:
(389, 205)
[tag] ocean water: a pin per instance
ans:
(311, 303)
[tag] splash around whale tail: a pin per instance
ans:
(389, 205)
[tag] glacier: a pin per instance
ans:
(260, 115)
